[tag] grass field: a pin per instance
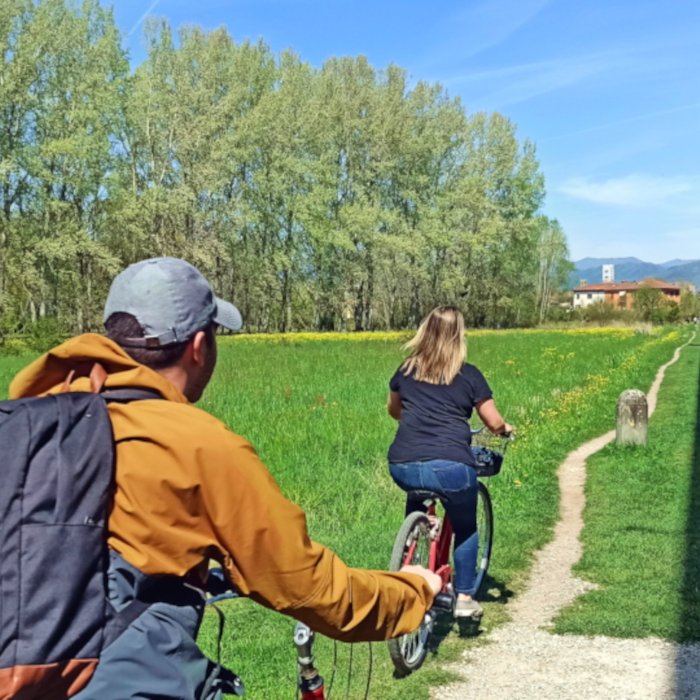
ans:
(315, 410)
(642, 532)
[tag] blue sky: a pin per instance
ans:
(608, 90)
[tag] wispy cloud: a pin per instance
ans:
(509, 85)
(629, 191)
(624, 122)
(487, 24)
(141, 19)
(481, 26)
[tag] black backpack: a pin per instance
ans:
(56, 485)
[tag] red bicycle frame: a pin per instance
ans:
(440, 542)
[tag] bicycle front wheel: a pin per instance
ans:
(484, 524)
(412, 546)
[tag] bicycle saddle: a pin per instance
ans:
(424, 495)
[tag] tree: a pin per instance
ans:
(554, 267)
(689, 305)
(339, 197)
(647, 302)
(600, 312)
(493, 214)
(62, 69)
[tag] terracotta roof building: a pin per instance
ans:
(620, 295)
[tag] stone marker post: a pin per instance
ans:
(632, 418)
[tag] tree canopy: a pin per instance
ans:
(339, 197)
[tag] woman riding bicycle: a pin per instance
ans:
(432, 395)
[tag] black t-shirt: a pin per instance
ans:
(434, 417)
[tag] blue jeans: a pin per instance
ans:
(456, 485)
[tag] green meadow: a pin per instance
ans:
(314, 408)
(642, 524)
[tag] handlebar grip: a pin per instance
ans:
(218, 586)
(444, 601)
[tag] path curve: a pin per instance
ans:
(523, 660)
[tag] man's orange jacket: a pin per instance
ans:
(189, 490)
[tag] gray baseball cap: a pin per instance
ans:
(171, 300)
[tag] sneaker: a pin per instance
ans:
(468, 610)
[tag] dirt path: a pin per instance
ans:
(523, 660)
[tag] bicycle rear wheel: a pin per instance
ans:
(409, 651)
(484, 524)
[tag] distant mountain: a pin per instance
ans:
(635, 270)
(588, 263)
(688, 271)
(675, 263)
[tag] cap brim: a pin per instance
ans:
(227, 315)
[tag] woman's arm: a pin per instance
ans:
(393, 405)
(491, 418)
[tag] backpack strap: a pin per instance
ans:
(138, 605)
(128, 394)
(171, 590)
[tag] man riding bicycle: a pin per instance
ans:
(189, 490)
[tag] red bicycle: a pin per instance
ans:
(425, 538)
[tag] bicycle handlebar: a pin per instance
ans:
(444, 601)
(506, 436)
(218, 587)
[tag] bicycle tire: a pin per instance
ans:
(408, 651)
(484, 521)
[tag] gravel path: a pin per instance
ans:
(523, 660)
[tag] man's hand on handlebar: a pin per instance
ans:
(434, 581)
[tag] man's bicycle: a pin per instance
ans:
(311, 685)
(425, 538)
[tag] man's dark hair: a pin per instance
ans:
(122, 326)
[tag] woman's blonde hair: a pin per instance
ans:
(438, 349)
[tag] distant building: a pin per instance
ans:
(620, 295)
(608, 273)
